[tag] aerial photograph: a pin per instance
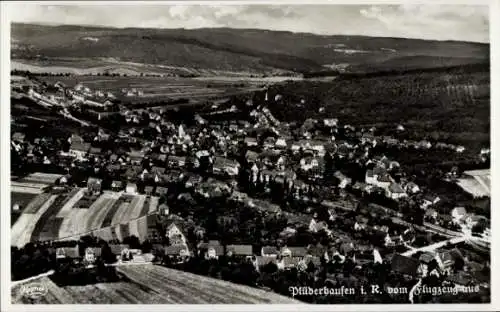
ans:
(249, 154)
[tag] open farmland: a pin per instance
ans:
(27, 187)
(21, 199)
(476, 182)
(158, 88)
(151, 284)
(27, 202)
(104, 216)
(47, 227)
(25, 225)
(72, 214)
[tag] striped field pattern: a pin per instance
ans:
(150, 284)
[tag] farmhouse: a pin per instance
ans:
(148, 190)
(212, 250)
(343, 180)
(293, 251)
(94, 185)
(117, 186)
(92, 254)
(131, 188)
(175, 234)
(269, 251)
(260, 261)
(458, 214)
(239, 250)
(177, 251)
(79, 149)
(18, 137)
(395, 191)
(225, 166)
(161, 190)
(68, 253)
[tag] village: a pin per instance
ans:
(239, 189)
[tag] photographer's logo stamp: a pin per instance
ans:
(34, 290)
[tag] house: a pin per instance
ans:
(251, 142)
(133, 172)
(94, 185)
(330, 122)
(309, 163)
(118, 249)
(251, 157)
(213, 249)
(131, 188)
(306, 261)
(157, 170)
(177, 251)
(446, 259)
(315, 226)
(403, 265)
(148, 190)
(343, 180)
(68, 253)
(161, 190)
(176, 161)
(269, 251)
(299, 252)
(473, 219)
(239, 250)
(395, 191)
(288, 263)
(368, 138)
(383, 181)
(18, 137)
(280, 143)
(136, 156)
(79, 149)
(458, 214)
(193, 180)
(91, 254)
(225, 166)
(412, 188)
(430, 200)
(175, 234)
(117, 186)
(260, 261)
(431, 213)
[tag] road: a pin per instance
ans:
(433, 247)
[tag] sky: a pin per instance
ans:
(424, 21)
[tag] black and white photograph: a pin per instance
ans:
(246, 153)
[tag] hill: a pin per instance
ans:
(451, 104)
(149, 284)
(226, 49)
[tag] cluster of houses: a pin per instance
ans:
(132, 92)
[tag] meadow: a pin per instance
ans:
(158, 88)
(150, 284)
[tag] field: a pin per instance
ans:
(25, 225)
(149, 284)
(34, 183)
(159, 88)
(51, 217)
(476, 182)
(23, 200)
